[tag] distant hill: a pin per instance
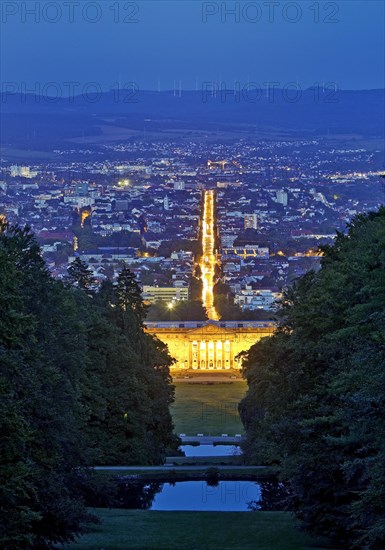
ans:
(30, 118)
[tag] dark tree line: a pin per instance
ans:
(315, 407)
(81, 384)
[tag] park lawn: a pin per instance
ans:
(151, 530)
(208, 409)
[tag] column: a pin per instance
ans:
(194, 348)
(219, 354)
(210, 357)
(202, 355)
(198, 355)
(222, 356)
(227, 354)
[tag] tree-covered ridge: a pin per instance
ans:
(81, 383)
(316, 400)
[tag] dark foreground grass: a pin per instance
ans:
(208, 409)
(151, 530)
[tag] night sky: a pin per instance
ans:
(155, 43)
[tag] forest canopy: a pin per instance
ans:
(81, 384)
(315, 406)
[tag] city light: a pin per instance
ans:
(208, 261)
(124, 183)
(170, 305)
(84, 215)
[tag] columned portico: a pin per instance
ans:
(209, 345)
(209, 354)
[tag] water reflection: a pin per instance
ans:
(136, 495)
(211, 450)
(210, 495)
(225, 496)
(274, 496)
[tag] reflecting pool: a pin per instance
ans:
(225, 496)
(211, 450)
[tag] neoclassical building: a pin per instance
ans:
(209, 345)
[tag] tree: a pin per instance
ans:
(129, 294)
(316, 398)
(40, 445)
(17, 499)
(80, 383)
(80, 275)
(134, 426)
(153, 367)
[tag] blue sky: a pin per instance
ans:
(159, 42)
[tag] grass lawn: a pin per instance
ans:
(147, 530)
(207, 409)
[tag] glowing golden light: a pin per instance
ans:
(124, 183)
(3, 223)
(312, 253)
(221, 163)
(200, 348)
(208, 261)
(84, 215)
(170, 305)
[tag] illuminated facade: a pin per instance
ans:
(209, 345)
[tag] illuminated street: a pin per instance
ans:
(209, 259)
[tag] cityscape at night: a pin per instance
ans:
(192, 237)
